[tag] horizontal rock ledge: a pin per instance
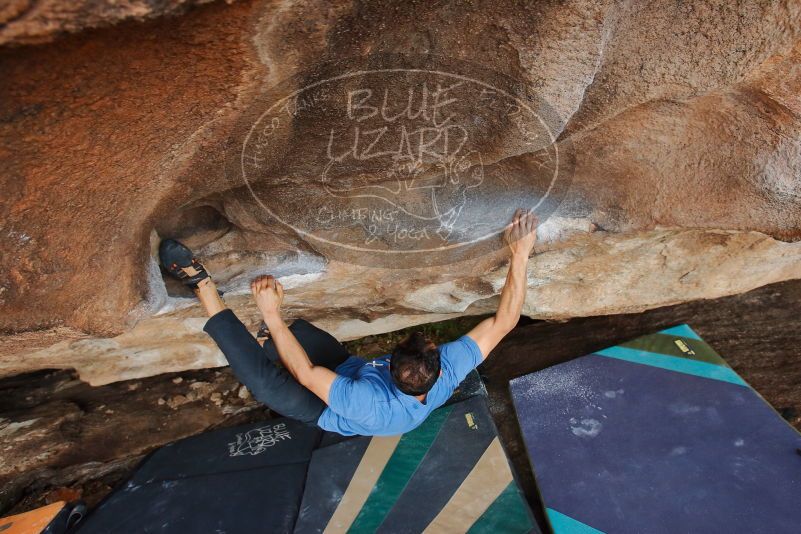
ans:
(589, 274)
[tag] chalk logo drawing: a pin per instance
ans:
(258, 440)
(405, 162)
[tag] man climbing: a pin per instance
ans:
(320, 383)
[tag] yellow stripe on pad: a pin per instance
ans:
(364, 479)
(485, 482)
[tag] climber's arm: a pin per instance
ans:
(520, 235)
(269, 294)
(316, 378)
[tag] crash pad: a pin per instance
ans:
(658, 435)
(448, 475)
(243, 479)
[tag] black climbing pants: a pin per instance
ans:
(255, 366)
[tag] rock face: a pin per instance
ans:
(370, 154)
(31, 21)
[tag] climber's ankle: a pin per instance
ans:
(205, 282)
(209, 297)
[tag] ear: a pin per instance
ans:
(440, 372)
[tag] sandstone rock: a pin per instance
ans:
(55, 431)
(673, 130)
(27, 21)
(178, 400)
(595, 275)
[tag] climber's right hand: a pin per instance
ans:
(521, 233)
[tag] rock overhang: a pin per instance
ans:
(684, 169)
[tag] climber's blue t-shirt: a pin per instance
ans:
(364, 400)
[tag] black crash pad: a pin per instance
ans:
(449, 474)
(243, 479)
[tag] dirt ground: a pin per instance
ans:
(62, 439)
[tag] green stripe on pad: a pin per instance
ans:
(678, 346)
(410, 451)
(563, 524)
(682, 330)
(671, 363)
(507, 513)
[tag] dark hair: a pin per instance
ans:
(415, 365)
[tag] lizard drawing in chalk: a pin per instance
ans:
(433, 192)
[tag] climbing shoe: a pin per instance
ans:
(178, 261)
